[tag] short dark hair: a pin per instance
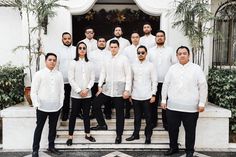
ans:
(50, 54)
(77, 54)
(134, 32)
(147, 23)
(161, 31)
(114, 41)
(100, 37)
(117, 26)
(88, 27)
(142, 46)
(183, 47)
(64, 33)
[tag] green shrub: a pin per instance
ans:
(11, 85)
(222, 91)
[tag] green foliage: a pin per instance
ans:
(222, 91)
(11, 85)
(193, 17)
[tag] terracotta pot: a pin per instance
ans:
(27, 95)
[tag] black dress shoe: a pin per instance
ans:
(54, 151)
(171, 151)
(108, 117)
(118, 140)
(189, 154)
(131, 138)
(99, 127)
(148, 141)
(69, 142)
(35, 154)
(90, 138)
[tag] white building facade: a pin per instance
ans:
(14, 27)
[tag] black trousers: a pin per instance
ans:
(41, 119)
(119, 107)
(77, 105)
(128, 106)
(189, 121)
(155, 106)
(107, 105)
(66, 103)
(141, 107)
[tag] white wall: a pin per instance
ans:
(13, 32)
(11, 37)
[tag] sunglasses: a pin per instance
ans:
(141, 53)
(82, 48)
(89, 32)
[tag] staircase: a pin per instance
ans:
(105, 139)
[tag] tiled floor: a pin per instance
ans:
(117, 153)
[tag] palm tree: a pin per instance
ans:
(43, 10)
(193, 16)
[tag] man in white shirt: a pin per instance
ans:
(184, 95)
(131, 53)
(143, 93)
(98, 57)
(162, 57)
(147, 39)
(89, 40)
(47, 94)
(66, 53)
(115, 84)
(118, 36)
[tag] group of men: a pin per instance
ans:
(143, 75)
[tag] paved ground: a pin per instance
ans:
(119, 153)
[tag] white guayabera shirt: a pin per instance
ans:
(162, 58)
(144, 80)
(131, 53)
(116, 73)
(81, 76)
(98, 57)
(47, 90)
(186, 88)
(148, 41)
(65, 55)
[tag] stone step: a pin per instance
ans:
(129, 121)
(112, 146)
(111, 127)
(109, 133)
(106, 139)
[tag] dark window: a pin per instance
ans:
(224, 44)
(103, 22)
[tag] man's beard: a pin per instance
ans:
(67, 44)
(101, 48)
(148, 33)
(160, 43)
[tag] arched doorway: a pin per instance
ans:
(224, 43)
(104, 16)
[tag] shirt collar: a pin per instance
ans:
(48, 70)
(143, 62)
(162, 47)
(185, 65)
